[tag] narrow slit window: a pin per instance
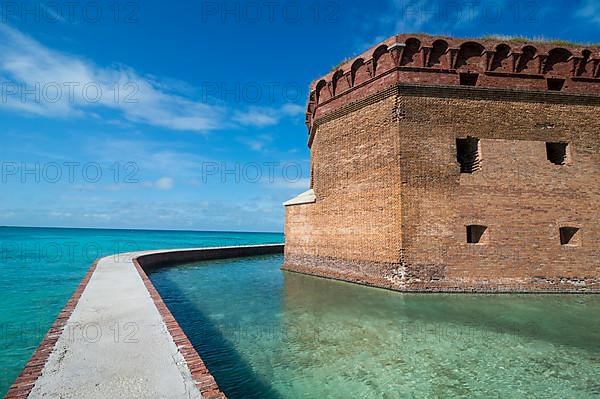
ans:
(476, 234)
(467, 154)
(557, 153)
(569, 236)
(555, 84)
(468, 79)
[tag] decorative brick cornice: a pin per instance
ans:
(434, 60)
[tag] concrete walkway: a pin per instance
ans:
(115, 344)
(117, 339)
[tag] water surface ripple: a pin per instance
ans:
(265, 333)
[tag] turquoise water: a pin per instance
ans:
(265, 333)
(42, 267)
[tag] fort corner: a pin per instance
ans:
(441, 164)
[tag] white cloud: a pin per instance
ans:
(590, 10)
(257, 143)
(148, 156)
(164, 183)
(447, 17)
(67, 86)
(413, 16)
(259, 117)
(264, 116)
(293, 109)
(264, 213)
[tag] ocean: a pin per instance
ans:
(41, 267)
(270, 334)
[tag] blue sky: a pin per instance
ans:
(173, 115)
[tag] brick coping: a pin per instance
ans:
(205, 382)
(422, 44)
(25, 382)
(526, 68)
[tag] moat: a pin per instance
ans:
(264, 333)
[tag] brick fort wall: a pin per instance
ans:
(397, 203)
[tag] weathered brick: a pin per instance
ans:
(392, 205)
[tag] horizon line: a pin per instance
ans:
(139, 229)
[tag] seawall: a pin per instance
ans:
(116, 338)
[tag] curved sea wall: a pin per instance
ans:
(116, 337)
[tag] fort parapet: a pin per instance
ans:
(441, 164)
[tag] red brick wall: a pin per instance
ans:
(357, 216)
(392, 206)
(521, 196)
